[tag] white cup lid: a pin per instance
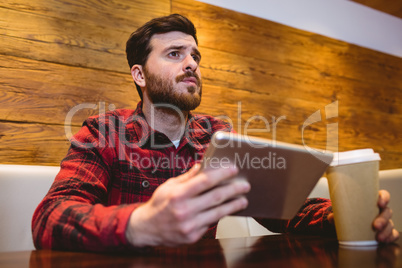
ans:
(355, 156)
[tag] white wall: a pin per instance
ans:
(339, 19)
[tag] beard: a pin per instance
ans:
(162, 91)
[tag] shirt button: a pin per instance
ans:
(145, 184)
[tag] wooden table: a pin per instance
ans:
(266, 251)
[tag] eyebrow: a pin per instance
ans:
(181, 47)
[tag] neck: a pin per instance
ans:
(170, 122)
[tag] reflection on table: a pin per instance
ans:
(274, 251)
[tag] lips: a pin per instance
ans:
(190, 80)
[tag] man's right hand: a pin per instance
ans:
(181, 209)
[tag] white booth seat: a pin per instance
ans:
(23, 187)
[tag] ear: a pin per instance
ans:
(138, 75)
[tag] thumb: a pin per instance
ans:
(191, 173)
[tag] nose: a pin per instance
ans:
(190, 64)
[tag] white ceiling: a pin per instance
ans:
(339, 19)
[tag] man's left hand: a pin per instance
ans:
(386, 233)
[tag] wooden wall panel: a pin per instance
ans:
(279, 71)
(55, 55)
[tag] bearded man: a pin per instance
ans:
(131, 178)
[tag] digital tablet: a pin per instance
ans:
(281, 175)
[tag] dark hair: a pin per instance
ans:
(138, 45)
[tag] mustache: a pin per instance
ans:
(181, 77)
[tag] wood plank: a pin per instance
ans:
(117, 14)
(69, 43)
(24, 143)
(56, 31)
(34, 91)
(391, 7)
(390, 160)
(280, 79)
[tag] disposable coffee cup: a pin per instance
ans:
(353, 188)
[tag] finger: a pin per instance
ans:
(204, 181)
(183, 238)
(386, 233)
(220, 194)
(191, 173)
(383, 199)
(394, 237)
(192, 230)
(382, 220)
(213, 215)
(330, 217)
(195, 235)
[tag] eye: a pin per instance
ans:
(196, 58)
(174, 54)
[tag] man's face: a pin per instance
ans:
(171, 73)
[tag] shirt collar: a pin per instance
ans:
(197, 133)
(139, 129)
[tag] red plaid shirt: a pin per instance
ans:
(115, 163)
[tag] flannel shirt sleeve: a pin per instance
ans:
(310, 220)
(73, 214)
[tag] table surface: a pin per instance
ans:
(275, 250)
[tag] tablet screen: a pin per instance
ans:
(281, 175)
